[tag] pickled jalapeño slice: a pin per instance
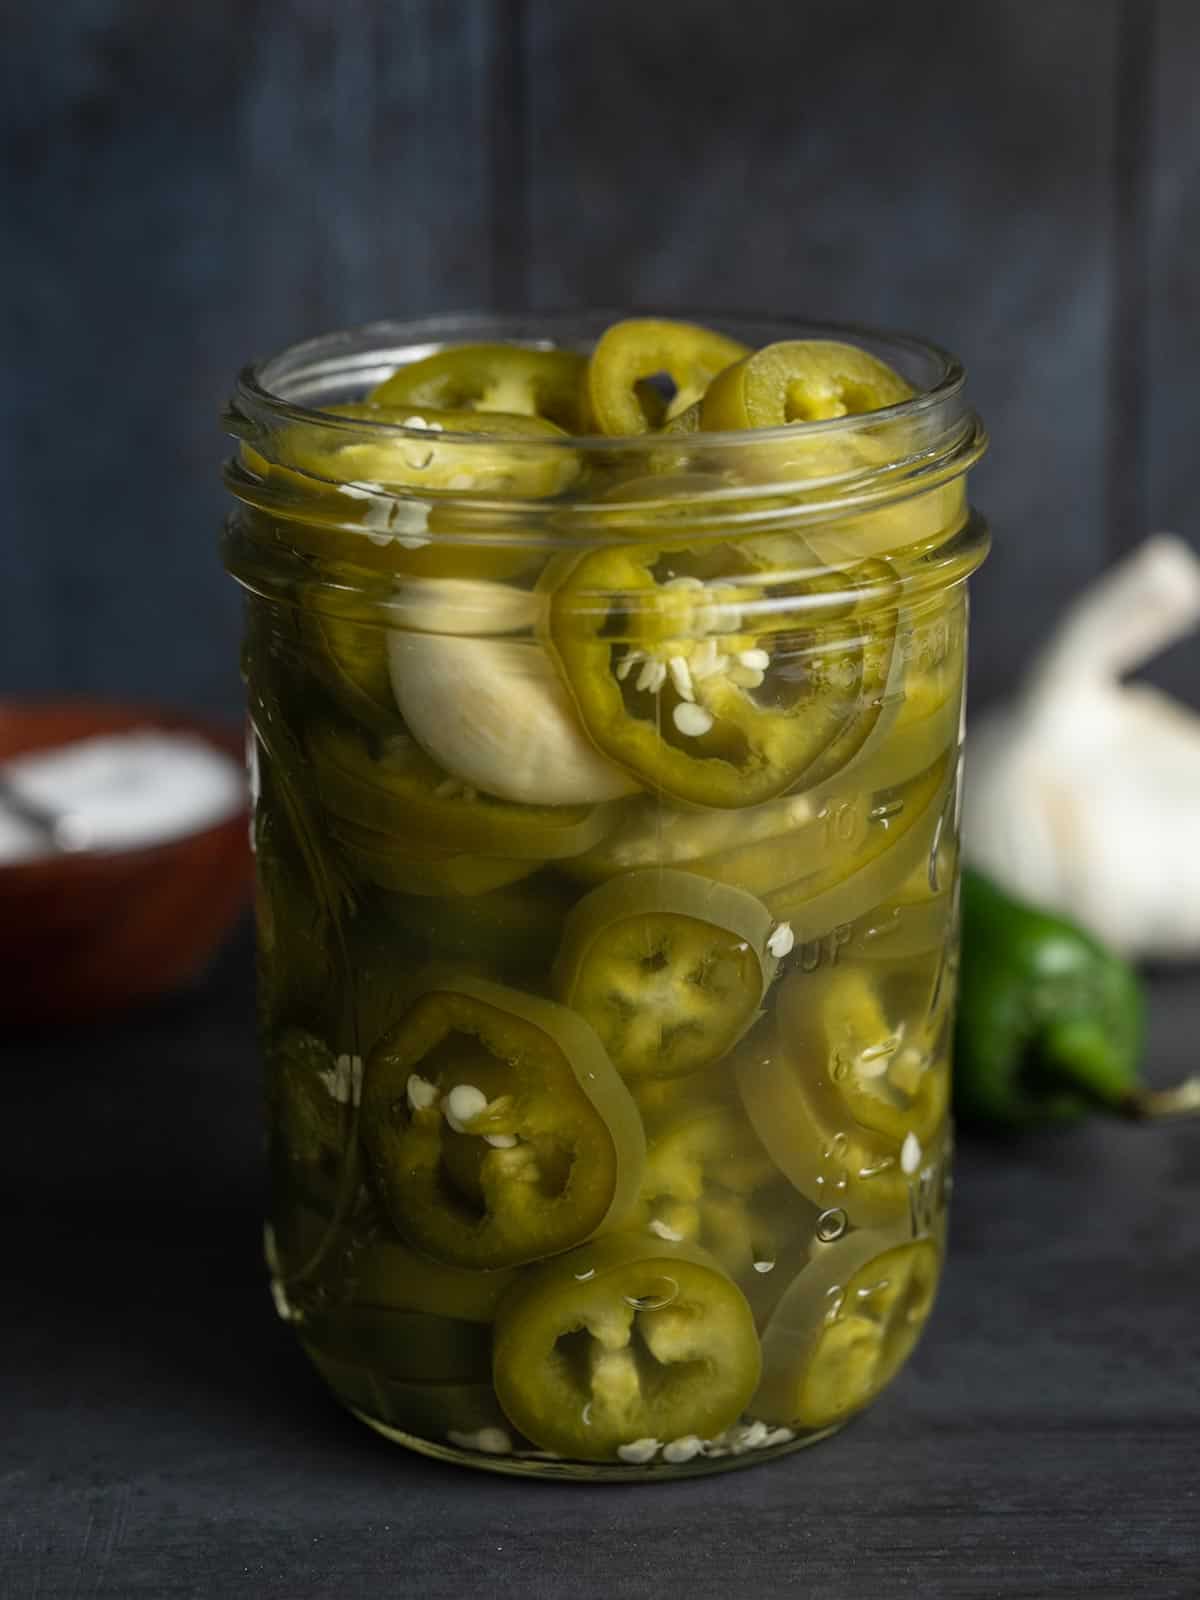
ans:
(851, 1107)
(714, 679)
(629, 1339)
(496, 1127)
(669, 968)
(844, 1328)
(621, 391)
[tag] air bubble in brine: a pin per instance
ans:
(831, 1225)
(666, 1290)
(885, 811)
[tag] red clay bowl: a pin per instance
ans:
(90, 933)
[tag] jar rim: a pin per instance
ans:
(746, 482)
(372, 351)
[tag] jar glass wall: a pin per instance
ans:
(606, 833)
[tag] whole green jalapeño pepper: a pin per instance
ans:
(1050, 1023)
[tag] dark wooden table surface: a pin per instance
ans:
(162, 1437)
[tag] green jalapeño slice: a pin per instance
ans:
(493, 377)
(713, 679)
(800, 380)
(850, 1104)
(313, 1093)
(624, 1341)
(497, 1129)
(629, 359)
(670, 969)
(393, 787)
(844, 1328)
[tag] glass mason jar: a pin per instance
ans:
(606, 829)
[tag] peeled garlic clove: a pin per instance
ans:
(493, 713)
(469, 606)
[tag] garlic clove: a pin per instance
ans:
(494, 713)
(467, 606)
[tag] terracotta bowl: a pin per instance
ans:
(89, 933)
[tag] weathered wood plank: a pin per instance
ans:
(1171, 307)
(188, 186)
(934, 167)
(1174, 307)
(1156, 325)
(164, 1438)
(1129, 331)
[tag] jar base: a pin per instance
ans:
(536, 1464)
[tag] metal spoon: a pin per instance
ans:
(61, 831)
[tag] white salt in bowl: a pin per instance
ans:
(96, 929)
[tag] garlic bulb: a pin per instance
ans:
(492, 711)
(1084, 794)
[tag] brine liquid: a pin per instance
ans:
(812, 1147)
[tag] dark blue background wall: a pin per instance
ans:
(186, 184)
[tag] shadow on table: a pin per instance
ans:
(134, 1281)
(136, 1295)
